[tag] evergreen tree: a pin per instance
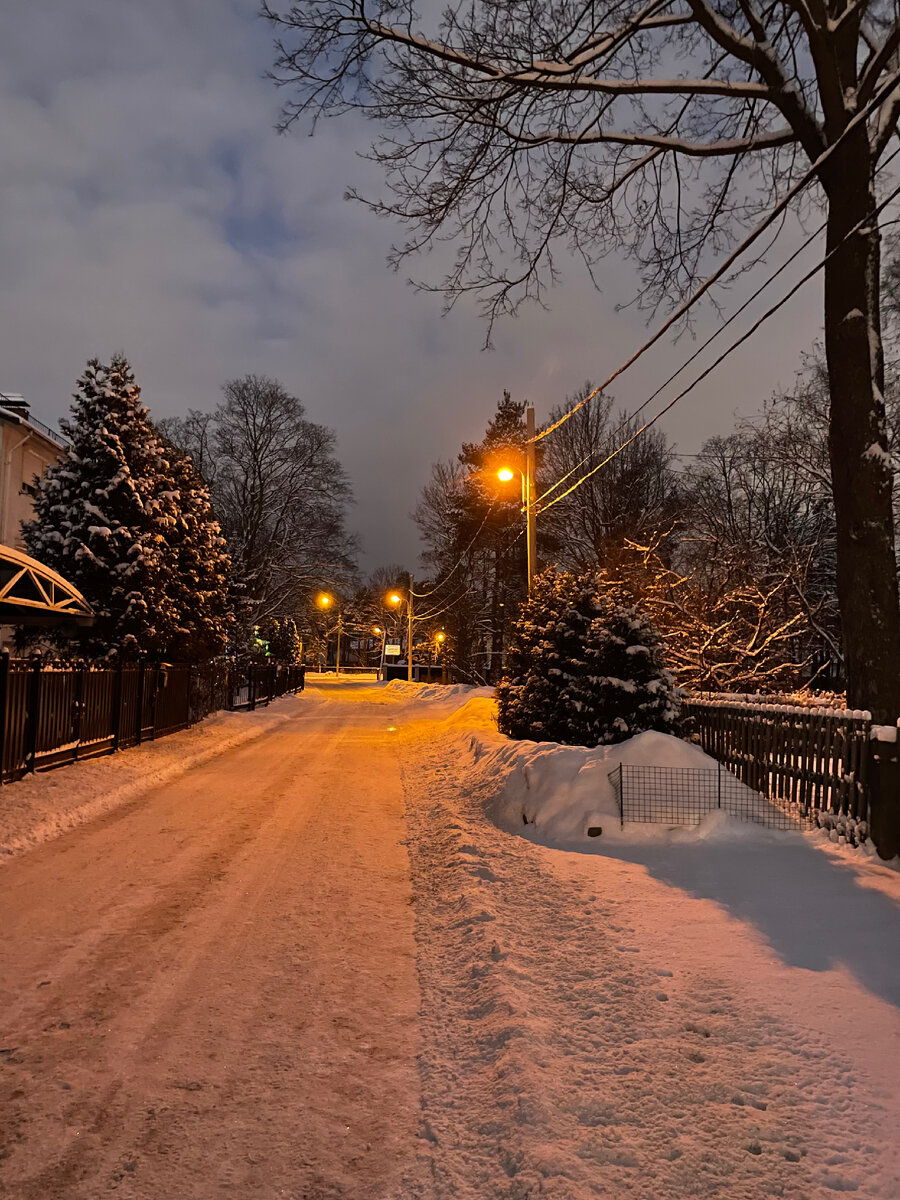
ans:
(585, 668)
(289, 643)
(198, 564)
(123, 521)
(473, 525)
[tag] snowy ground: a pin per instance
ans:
(41, 807)
(330, 963)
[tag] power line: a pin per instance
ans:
(712, 337)
(734, 345)
(726, 265)
(459, 561)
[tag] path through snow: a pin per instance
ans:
(634, 1026)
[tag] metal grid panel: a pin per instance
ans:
(685, 795)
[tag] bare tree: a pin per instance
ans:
(631, 499)
(279, 492)
(663, 126)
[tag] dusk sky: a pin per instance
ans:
(148, 206)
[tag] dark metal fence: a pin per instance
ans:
(52, 714)
(685, 795)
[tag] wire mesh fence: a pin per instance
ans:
(685, 795)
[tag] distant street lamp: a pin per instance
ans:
(395, 599)
(326, 601)
(507, 473)
(377, 630)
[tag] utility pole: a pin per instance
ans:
(340, 629)
(530, 515)
(409, 635)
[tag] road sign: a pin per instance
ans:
(391, 648)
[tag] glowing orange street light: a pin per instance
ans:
(395, 599)
(440, 637)
(505, 474)
(325, 601)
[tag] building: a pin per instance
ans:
(27, 448)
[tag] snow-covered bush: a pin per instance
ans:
(585, 667)
(129, 523)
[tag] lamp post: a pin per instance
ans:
(325, 601)
(440, 640)
(376, 629)
(505, 474)
(395, 598)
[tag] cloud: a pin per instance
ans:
(146, 204)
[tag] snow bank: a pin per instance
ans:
(555, 794)
(41, 807)
(432, 693)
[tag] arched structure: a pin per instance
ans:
(32, 594)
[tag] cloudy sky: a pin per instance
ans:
(147, 205)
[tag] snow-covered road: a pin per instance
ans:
(213, 991)
(313, 968)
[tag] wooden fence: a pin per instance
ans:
(829, 765)
(51, 714)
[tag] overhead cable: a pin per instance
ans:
(807, 177)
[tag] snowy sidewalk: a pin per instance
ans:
(649, 1021)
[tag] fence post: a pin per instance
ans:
(884, 791)
(250, 696)
(140, 701)
(34, 704)
(157, 674)
(4, 705)
(719, 785)
(621, 798)
(78, 707)
(117, 704)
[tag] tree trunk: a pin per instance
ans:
(860, 468)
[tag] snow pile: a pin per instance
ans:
(431, 693)
(41, 807)
(555, 794)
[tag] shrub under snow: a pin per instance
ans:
(584, 668)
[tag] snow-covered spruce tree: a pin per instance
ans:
(584, 668)
(289, 644)
(110, 518)
(197, 562)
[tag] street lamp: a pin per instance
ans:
(325, 601)
(382, 633)
(395, 599)
(507, 473)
